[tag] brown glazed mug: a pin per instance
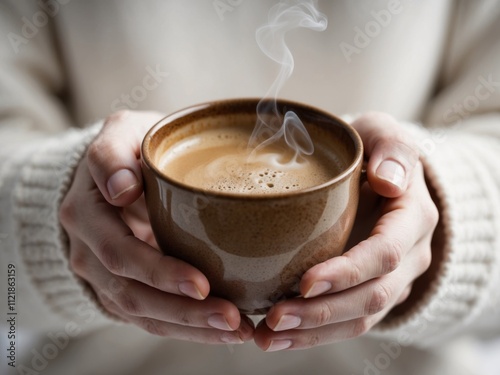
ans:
(252, 248)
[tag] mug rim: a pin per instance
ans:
(193, 109)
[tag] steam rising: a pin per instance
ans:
(283, 17)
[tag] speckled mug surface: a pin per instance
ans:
(252, 248)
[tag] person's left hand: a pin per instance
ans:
(347, 295)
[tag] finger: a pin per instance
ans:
(394, 235)
(140, 300)
(114, 155)
(295, 339)
(244, 331)
(328, 319)
(370, 298)
(200, 335)
(125, 298)
(84, 264)
(379, 255)
(182, 332)
(136, 299)
(392, 154)
(100, 226)
(112, 308)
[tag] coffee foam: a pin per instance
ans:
(219, 160)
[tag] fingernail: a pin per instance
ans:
(287, 321)
(121, 182)
(219, 321)
(392, 172)
(231, 338)
(191, 290)
(319, 287)
(276, 345)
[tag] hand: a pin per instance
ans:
(347, 295)
(112, 247)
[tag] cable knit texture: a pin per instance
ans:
(42, 242)
(470, 268)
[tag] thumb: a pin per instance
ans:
(113, 157)
(392, 154)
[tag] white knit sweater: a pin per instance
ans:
(434, 63)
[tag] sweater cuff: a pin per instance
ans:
(465, 276)
(43, 245)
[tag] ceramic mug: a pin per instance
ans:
(253, 248)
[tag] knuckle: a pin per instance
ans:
(154, 327)
(393, 137)
(431, 214)
(101, 149)
(325, 315)
(118, 116)
(107, 303)
(354, 275)
(94, 152)
(77, 262)
(403, 142)
(402, 145)
(392, 255)
(378, 300)
(67, 212)
(153, 278)
(181, 316)
(425, 259)
(404, 296)
(313, 340)
(360, 327)
(128, 303)
(109, 257)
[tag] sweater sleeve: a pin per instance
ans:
(38, 156)
(460, 150)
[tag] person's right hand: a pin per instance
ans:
(112, 247)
